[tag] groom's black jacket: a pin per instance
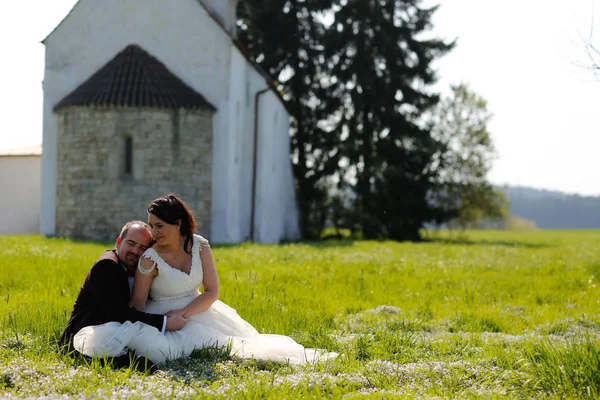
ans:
(104, 297)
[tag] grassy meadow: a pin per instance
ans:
(489, 315)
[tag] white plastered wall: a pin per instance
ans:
(20, 199)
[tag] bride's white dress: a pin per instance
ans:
(220, 325)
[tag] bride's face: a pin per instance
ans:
(163, 232)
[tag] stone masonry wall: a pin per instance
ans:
(172, 153)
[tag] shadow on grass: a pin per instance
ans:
(110, 244)
(333, 241)
(329, 243)
(505, 243)
(463, 241)
(202, 365)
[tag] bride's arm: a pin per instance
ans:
(210, 282)
(144, 274)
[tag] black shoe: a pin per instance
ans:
(144, 365)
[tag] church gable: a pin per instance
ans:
(222, 11)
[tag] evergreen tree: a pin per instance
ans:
(377, 51)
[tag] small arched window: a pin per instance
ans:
(128, 170)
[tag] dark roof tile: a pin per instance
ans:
(134, 78)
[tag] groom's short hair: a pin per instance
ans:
(130, 224)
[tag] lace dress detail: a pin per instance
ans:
(146, 271)
(220, 325)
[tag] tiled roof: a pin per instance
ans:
(134, 78)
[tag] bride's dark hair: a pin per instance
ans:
(172, 209)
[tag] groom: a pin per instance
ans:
(106, 291)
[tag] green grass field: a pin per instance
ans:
(492, 315)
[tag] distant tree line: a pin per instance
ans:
(374, 149)
(554, 210)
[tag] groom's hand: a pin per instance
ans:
(175, 322)
(181, 311)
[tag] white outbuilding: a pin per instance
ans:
(20, 198)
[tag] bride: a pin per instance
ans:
(167, 281)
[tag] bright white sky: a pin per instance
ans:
(520, 55)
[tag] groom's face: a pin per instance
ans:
(131, 247)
